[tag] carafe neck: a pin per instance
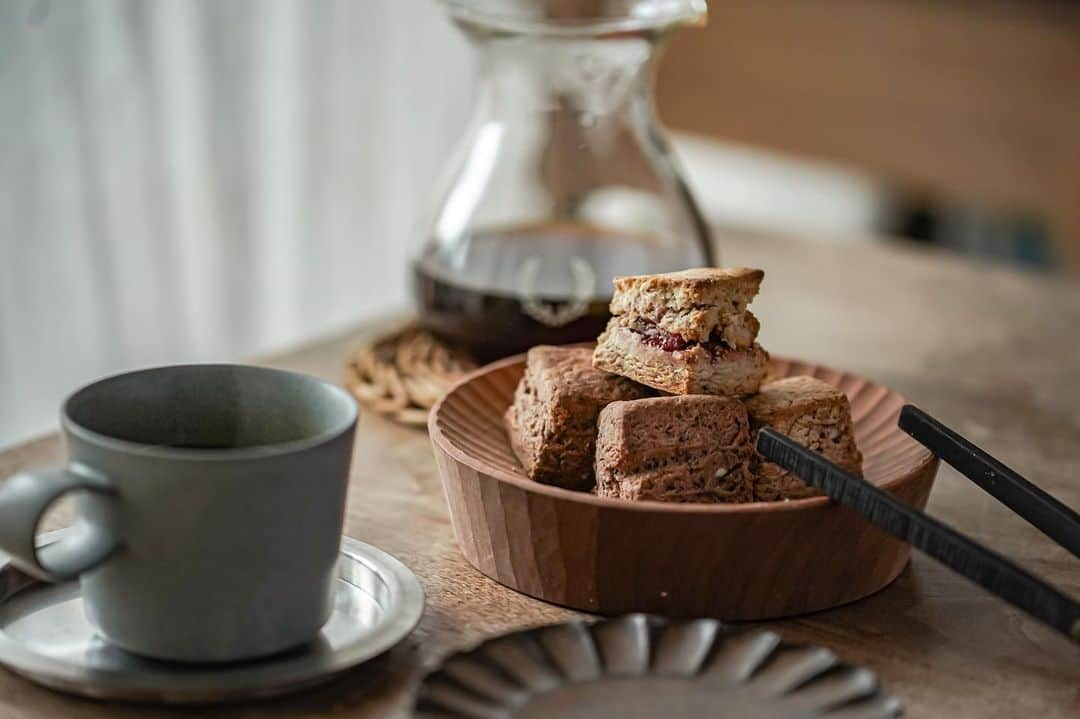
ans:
(596, 79)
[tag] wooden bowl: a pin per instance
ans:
(732, 561)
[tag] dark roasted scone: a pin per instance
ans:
(690, 448)
(686, 332)
(813, 413)
(552, 421)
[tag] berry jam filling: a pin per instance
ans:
(655, 336)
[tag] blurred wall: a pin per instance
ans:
(185, 180)
(191, 180)
(972, 104)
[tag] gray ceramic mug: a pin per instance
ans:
(209, 501)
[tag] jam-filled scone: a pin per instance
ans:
(686, 332)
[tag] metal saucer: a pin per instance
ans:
(45, 637)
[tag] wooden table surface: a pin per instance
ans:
(993, 353)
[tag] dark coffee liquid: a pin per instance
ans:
(202, 445)
(492, 325)
(499, 295)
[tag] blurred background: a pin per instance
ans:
(190, 180)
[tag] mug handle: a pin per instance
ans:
(24, 499)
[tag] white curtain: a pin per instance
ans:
(185, 180)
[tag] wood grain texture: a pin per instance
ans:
(1042, 510)
(992, 353)
(932, 537)
(732, 561)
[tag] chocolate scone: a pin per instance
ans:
(552, 421)
(813, 413)
(686, 332)
(690, 448)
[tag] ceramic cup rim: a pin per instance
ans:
(258, 451)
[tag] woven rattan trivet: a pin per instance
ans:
(402, 375)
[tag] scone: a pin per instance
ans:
(686, 332)
(552, 421)
(813, 413)
(690, 448)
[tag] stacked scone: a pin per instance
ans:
(668, 404)
(686, 332)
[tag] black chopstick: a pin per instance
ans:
(1045, 513)
(956, 551)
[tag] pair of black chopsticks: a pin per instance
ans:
(956, 551)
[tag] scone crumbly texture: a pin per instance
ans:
(686, 332)
(552, 420)
(692, 448)
(698, 369)
(815, 414)
(697, 305)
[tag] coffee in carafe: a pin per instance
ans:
(564, 179)
(540, 285)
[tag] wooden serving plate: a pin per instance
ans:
(732, 561)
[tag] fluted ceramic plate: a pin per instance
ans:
(752, 561)
(637, 667)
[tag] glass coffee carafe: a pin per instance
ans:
(564, 179)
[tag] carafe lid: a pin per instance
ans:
(577, 16)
